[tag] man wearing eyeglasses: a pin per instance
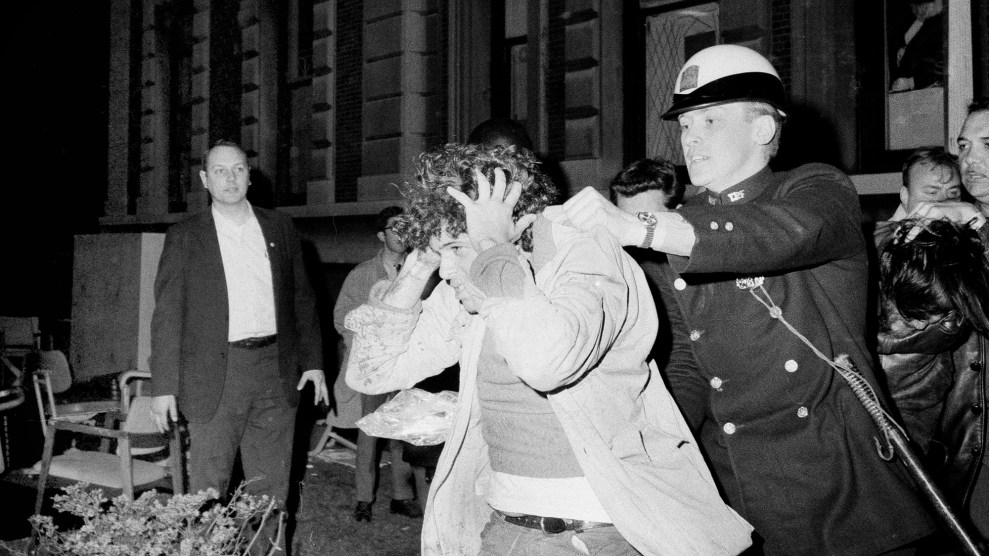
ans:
(354, 293)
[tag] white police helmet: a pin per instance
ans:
(725, 73)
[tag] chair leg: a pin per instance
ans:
(126, 467)
(175, 457)
(322, 441)
(329, 437)
(46, 463)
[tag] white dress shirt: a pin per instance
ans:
(250, 294)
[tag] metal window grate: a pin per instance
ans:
(671, 37)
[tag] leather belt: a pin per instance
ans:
(551, 525)
(255, 343)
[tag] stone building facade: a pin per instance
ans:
(334, 99)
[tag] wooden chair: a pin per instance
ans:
(120, 471)
(54, 377)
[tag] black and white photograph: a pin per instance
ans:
(495, 278)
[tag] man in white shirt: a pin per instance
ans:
(234, 335)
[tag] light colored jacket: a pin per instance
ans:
(580, 334)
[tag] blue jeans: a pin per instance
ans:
(500, 538)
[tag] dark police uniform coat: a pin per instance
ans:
(790, 445)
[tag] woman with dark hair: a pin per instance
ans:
(934, 286)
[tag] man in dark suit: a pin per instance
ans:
(234, 326)
(757, 252)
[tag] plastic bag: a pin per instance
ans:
(415, 416)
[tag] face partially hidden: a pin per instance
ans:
(391, 240)
(973, 155)
(720, 145)
(653, 200)
(226, 176)
(457, 254)
(930, 183)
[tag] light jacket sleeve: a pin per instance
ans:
(552, 339)
(395, 348)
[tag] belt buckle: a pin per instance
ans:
(552, 525)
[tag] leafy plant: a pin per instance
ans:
(185, 525)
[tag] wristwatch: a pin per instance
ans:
(649, 219)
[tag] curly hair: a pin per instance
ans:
(431, 209)
(943, 269)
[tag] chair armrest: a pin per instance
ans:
(127, 380)
(91, 430)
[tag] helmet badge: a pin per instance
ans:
(688, 78)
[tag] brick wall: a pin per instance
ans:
(780, 47)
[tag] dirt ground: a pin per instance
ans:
(325, 524)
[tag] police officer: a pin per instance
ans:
(791, 447)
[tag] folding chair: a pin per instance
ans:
(346, 411)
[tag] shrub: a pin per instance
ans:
(185, 525)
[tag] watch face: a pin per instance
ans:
(647, 218)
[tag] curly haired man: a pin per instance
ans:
(579, 448)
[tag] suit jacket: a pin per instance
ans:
(787, 439)
(189, 326)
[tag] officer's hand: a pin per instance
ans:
(318, 379)
(164, 412)
(589, 209)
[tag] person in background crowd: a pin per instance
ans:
(973, 152)
(930, 175)
(939, 362)
(385, 265)
(934, 286)
(789, 443)
(500, 132)
(234, 327)
(650, 185)
(939, 201)
(564, 440)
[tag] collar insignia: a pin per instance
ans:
(749, 282)
(736, 196)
